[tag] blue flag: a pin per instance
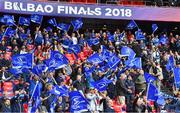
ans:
(78, 103)
(77, 24)
(48, 29)
(170, 64)
(126, 51)
(36, 98)
(23, 36)
(63, 26)
(9, 32)
(177, 77)
(122, 35)
(15, 71)
(105, 54)
(22, 61)
(1, 37)
(52, 22)
(132, 24)
(161, 100)
(93, 41)
(136, 63)
(139, 35)
(56, 61)
(111, 38)
(60, 90)
(36, 18)
(8, 20)
(75, 48)
(154, 27)
(39, 69)
(152, 92)
(101, 85)
(149, 78)
(95, 59)
(163, 40)
(24, 21)
(113, 61)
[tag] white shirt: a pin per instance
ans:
(75, 40)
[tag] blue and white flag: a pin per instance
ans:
(111, 38)
(63, 26)
(95, 59)
(36, 98)
(139, 35)
(105, 54)
(161, 100)
(126, 51)
(39, 69)
(122, 35)
(170, 64)
(48, 29)
(75, 48)
(78, 103)
(101, 85)
(52, 22)
(15, 71)
(59, 57)
(59, 90)
(9, 32)
(177, 77)
(24, 21)
(113, 61)
(132, 24)
(1, 37)
(93, 41)
(8, 20)
(163, 40)
(36, 18)
(23, 36)
(136, 63)
(154, 27)
(77, 24)
(149, 78)
(56, 61)
(22, 61)
(152, 92)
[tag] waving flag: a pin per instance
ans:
(101, 85)
(105, 54)
(163, 40)
(95, 59)
(56, 61)
(139, 35)
(8, 20)
(177, 77)
(75, 48)
(77, 24)
(149, 78)
(154, 27)
(126, 51)
(59, 57)
(36, 98)
(52, 22)
(113, 61)
(22, 61)
(136, 63)
(111, 38)
(39, 69)
(48, 29)
(170, 63)
(122, 35)
(59, 90)
(132, 24)
(78, 103)
(1, 37)
(63, 26)
(9, 32)
(93, 41)
(152, 92)
(24, 21)
(161, 100)
(36, 18)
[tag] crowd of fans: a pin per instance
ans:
(126, 93)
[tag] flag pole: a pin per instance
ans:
(34, 91)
